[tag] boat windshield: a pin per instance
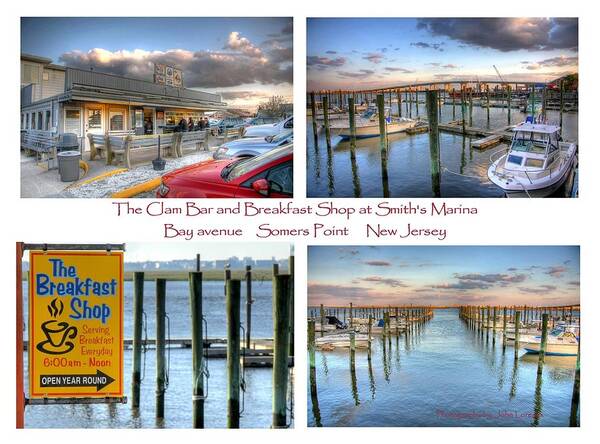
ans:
(530, 142)
(368, 113)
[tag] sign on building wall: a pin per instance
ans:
(75, 324)
(168, 75)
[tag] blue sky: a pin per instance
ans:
(443, 275)
(371, 52)
(249, 59)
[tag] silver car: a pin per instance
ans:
(252, 146)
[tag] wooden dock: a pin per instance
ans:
(487, 142)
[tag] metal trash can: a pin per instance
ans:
(68, 165)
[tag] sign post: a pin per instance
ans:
(75, 324)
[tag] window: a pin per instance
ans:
(116, 119)
(22, 121)
(32, 120)
(281, 178)
(72, 121)
(47, 122)
(94, 119)
(39, 121)
(515, 159)
(536, 163)
(289, 124)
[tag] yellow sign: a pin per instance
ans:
(75, 324)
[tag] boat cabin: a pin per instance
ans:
(534, 146)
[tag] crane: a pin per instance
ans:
(498, 72)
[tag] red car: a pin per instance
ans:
(267, 175)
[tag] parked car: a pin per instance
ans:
(270, 129)
(227, 122)
(253, 121)
(252, 146)
(267, 175)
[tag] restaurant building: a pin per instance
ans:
(59, 99)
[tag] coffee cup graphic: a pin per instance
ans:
(57, 333)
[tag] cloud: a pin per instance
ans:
(397, 69)
(395, 283)
(559, 62)
(492, 278)
(324, 62)
(288, 29)
(330, 52)
(439, 65)
(378, 263)
(507, 34)
(374, 57)
(425, 45)
(556, 271)
(574, 283)
(462, 286)
(232, 95)
(538, 290)
(362, 74)
(238, 43)
(201, 69)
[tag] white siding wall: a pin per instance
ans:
(55, 83)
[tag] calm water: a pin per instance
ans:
(178, 404)
(448, 375)
(464, 170)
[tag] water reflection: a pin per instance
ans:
(408, 158)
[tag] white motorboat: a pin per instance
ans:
(367, 124)
(563, 344)
(537, 163)
(341, 340)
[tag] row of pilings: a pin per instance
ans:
(490, 320)
(397, 320)
(436, 95)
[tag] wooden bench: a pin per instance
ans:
(230, 134)
(99, 143)
(125, 147)
(194, 140)
(41, 143)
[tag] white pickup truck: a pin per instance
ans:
(270, 129)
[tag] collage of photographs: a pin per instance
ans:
(119, 331)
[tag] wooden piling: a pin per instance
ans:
(399, 99)
(195, 284)
(453, 104)
(471, 107)
(382, 129)
(543, 343)
(487, 94)
(313, 372)
(434, 142)
(463, 108)
(517, 333)
(494, 328)
(161, 286)
(562, 102)
(322, 313)
(232, 307)
(351, 316)
(575, 396)
(313, 110)
(351, 114)
(138, 315)
(326, 121)
(248, 305)
(281, 337)
(509, 93)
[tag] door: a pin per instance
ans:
(94, 122)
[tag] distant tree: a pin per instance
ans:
(274, 107)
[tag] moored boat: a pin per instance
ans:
(537, 163)
(367, 124)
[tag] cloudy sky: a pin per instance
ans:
(245, 59)
(373, 52)
(443, 275)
